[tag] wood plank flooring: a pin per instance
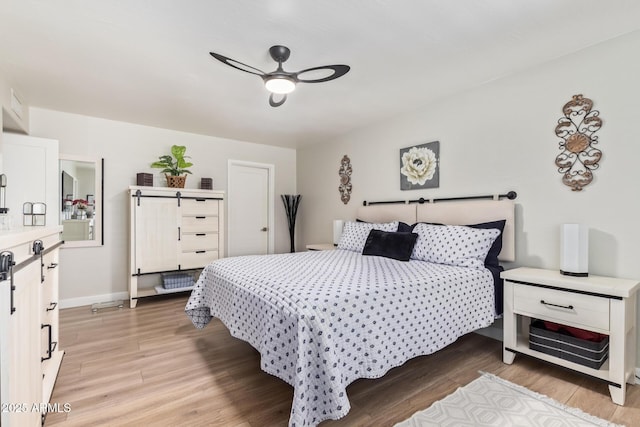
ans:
(150, 366)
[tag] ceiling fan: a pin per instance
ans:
(280, 82)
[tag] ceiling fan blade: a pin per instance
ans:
(273, 103)
(237, 64)
(338, 71)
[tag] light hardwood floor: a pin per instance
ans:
(150, 366)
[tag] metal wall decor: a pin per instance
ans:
(579, 157)
(345, 179)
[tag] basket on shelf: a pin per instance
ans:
(176, 181)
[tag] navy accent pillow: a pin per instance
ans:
(396, 245)
(494, 251)
(404, 227)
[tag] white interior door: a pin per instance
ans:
(31, 167)
(250, 199)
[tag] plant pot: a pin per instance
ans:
(176, 181)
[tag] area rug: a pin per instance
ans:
(492, 401)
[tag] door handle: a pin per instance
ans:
(264, 229)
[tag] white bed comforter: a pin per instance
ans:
(321, 320)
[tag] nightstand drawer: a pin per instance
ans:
(571, 308)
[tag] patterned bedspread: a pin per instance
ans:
(321, 320)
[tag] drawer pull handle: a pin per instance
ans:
(201, 217)
(52, 306)
(201, 234)
(52, 265)
(201, 252)
(568, 307)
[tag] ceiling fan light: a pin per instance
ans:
(279, 84)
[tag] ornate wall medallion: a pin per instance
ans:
(579, 157)
(345, 179)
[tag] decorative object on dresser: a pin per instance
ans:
(172, 231)
(30, 351)
(345, 179)
(144, 179)
(291, 203)
(582, 305)
(174, 166)
(574, 250)
(206, 183)
(579, 157)
(419, 166)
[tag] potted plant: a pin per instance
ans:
(174, 166)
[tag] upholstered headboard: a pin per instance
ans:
(464, 212)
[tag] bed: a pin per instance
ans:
(320, 320)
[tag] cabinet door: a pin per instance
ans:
(155, 234)
(39, 182)
(21, 372)
(51, 350)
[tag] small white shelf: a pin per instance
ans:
(161, 290)
(149, 292)
(522, 346)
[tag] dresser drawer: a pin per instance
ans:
(197, 259)
(199, 207)
(199, 224)
(570, 308)
(199, 241)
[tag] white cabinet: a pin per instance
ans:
(600, 304)
(30, 356)
(31, 167)
(172, 229)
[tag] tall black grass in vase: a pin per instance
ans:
(291, 202)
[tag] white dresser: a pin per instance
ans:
(172, 230)
(30, 353)
(604, 305)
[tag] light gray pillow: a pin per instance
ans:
(456, 245)
(354, 234)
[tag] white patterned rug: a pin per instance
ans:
(492, 401)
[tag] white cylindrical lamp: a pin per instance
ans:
(338, 225)
(574, 250)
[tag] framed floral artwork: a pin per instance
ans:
(420, 166)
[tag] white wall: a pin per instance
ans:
(99, 274)
(500, 137)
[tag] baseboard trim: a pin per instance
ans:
(92, 299)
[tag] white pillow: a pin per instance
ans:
(457, 245)
(354, 234)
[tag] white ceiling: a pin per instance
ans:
(148, 61)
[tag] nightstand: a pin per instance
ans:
(599, 304)
(321, 247)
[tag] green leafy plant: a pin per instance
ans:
(174, 164)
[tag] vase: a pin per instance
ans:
(291, 203)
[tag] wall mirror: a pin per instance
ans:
(81, 213)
